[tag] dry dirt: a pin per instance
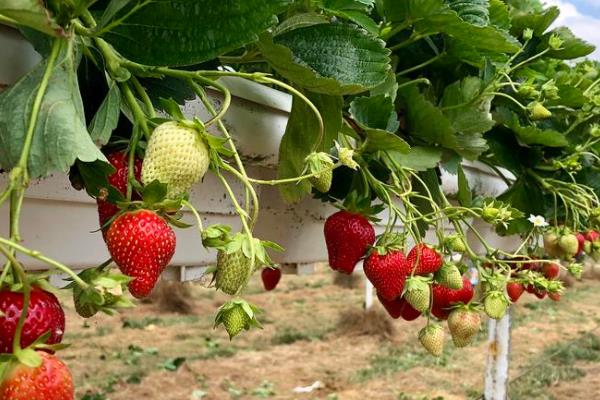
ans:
(144, 353)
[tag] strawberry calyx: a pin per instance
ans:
(105, 292)
(388, 242)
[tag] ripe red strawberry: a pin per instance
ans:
(118, 179)
(43, 315)
(50, 381)
(270, 277)
(348, 237)
(142, 244)
(554, 296)
(551, 270)
(539, 293)
(530, 289)
(443, 298)
(514, 291)
(581, 241)
(387, 273)
(592, 236)
(426, 259)
(399, 308)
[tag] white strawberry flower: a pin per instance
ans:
(538, 221)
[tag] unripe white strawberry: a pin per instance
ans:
(176, 156)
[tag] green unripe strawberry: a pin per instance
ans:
(235, 320)
(176, 156)
(449, 276)
(417, 293)
(232, 271)
(432, 339)
(237, 315)
(551, 244)
(489, 214)
(495, 304)
(569, 245)
(537, 111)
(322, 164)
(455, 243)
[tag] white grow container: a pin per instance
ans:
(62, 223)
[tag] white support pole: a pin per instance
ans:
(496, 376)
(368, 294)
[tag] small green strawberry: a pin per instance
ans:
(464, 324)
(176, 156)
(237, 315)
(322, 164)
(432, 338)
(105, 292)
(495, 304)
(233, 269)
(449, 276)
(489, 214)
(569, 245)
(417, 292)
(455, 243)
(537, 111)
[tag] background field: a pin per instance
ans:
(315, 330)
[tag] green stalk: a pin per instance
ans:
(38, 256)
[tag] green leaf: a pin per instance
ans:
(427, 122)
(538, 22)
(499, 15)
(358, 18)
(389, 87)
(31, 13)
(376, 112)
(531, 135)
(472, 11)
(95, 176)
(569, 96)
(60, 136)
(356, 5)
(300, 21)
(478, 37)
(299, 138)
(174, 363)
(107, 116)
(573, 47)
(474, 116)
(419, 158)
(412, 9)
(386, 141)
(434, 16)
(334, 59)
(464, 195)
(186, 32)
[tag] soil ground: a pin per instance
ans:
(146, 353)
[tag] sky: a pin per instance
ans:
(582, 17)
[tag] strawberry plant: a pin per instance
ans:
(387, 96)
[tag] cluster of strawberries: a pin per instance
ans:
(39, 374)
(407, 286)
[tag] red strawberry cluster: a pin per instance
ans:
(52, 379)
(551, 271)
